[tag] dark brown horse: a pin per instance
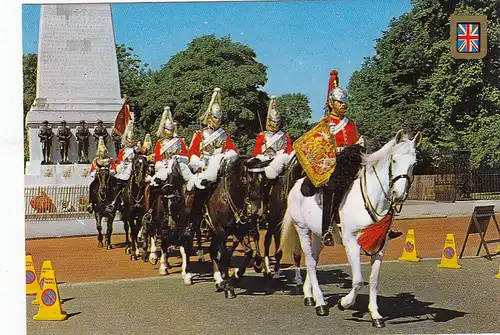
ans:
(133, 202)
(226, 210)
(277, 191)
(103, 198)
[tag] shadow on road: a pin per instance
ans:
(400, 306)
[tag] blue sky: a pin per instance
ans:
(299, 42)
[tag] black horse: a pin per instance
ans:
(172, 220)
(103, 194)
(133, 203)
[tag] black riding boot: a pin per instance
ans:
(394, 234)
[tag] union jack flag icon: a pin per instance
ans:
(468, 37)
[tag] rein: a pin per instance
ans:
(371, 210)
(239, 215)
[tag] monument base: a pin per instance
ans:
(57, 174)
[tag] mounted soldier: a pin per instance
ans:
(125, 156)
(170, 146)
(210, 146)
(345, 133)
(102, 161)
(275, 146)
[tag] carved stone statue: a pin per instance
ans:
(45, 134)
(117, 140)
(82, 141)
(63, 136)
(99, 131)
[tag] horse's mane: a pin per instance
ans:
(386, 151)
(234, 168)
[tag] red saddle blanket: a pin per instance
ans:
(372, 237)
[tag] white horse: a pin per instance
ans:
(384, 181)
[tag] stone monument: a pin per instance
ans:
(77, 80)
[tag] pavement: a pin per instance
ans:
(412, 209)
(415, 298)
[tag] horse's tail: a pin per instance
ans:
(290, 243)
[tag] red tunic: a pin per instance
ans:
(261, 140)
(112, 165)
(348, 135)
(194, 149)
(158, 156)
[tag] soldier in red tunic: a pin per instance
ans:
(210, 145)
(346, 133)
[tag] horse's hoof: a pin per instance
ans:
(109, 246)
(309, 302)
(229, 294)
(153, 260)
(133, 257)
(218, 287)
(163, 271)
(339, 305)
(127, 251)
(100, 245)
(322, 310)
(378, 323)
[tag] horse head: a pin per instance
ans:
(140, 167)
(402, 161)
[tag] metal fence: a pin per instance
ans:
(485, 184)
(56, 202)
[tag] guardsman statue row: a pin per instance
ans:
(210, 145)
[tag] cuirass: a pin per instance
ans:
(103, 162)
(216, 145)
(174, 149)
(278, 145)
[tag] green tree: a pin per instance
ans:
(133, 74)
(412, 82)
(187, 80)
(295, 114)
(29, 92)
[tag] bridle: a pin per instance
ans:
(393, 206)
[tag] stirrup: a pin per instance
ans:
(328, 237)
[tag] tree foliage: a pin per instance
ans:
(412, 82)
(295, 114)
(29, 92)
(186, 84)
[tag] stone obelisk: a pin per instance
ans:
(77, 79)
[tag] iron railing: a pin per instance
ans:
(61, 202)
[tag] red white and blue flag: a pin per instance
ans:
(468, 37)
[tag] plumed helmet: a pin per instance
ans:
(336, 92)
(272, 112)
(214, 107)
(101, 147)
(166, 123)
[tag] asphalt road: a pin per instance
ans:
(414, 297)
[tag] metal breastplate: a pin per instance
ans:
(215, 146)
(174, 149)
(278, 145)
(103, 163)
